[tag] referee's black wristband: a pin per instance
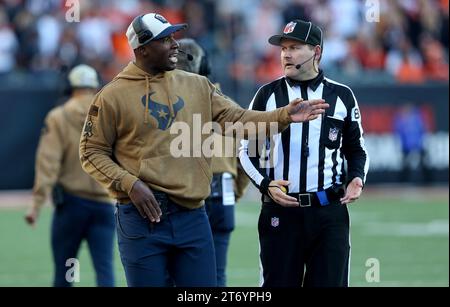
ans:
(264, 186)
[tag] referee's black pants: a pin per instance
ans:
(304, 246)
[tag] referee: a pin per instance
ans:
(309, 173)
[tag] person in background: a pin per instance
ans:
(229, 180)
(410, 128)
(82, 208)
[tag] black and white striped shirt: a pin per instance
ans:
(310, 155)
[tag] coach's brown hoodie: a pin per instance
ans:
(127, 134)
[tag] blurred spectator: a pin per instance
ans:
(69, 48)
(405, 63)
(94, 34)
(373, 56)
(435, 65)
(8, 46)
(444, 35)
(409, 126)
(25, 27)
(345, 16)
(35, 35)
(293, 10)
(336, 50)
(268, 12)
(269, 69)
(49, 31)
(409, 72)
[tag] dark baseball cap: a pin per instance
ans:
(303, 31)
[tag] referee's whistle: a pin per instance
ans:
(305, 151)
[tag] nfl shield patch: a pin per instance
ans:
(289, 27)
(274, 222)
(333, 134)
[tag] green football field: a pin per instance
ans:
(405, 234)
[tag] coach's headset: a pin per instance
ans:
(205, 66)
(144, 35)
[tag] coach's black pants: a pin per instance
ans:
(306, 247)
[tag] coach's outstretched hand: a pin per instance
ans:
(305, 110)
(144, 200)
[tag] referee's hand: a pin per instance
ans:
(144, 200)
(279, 196)
(353, 191)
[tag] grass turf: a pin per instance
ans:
(408, 237)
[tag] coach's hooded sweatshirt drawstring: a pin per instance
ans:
(166, 88)
(146, 100)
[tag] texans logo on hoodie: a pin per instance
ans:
(161, 112)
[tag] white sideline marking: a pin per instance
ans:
(432, 228)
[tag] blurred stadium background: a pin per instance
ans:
(395, 59)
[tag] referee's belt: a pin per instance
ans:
(314, 199)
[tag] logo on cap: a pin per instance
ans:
(161, 18)
(289, 27)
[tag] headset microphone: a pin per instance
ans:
(188, 55)
(298, 66)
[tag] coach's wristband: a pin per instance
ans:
(264, 186)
